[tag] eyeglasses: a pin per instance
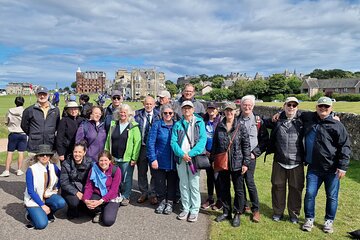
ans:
(323, 106)
(291, 105)
(44, 155)
(116, 97)
(168, 113)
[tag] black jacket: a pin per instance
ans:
(65, 138)
(331, 149)
(286, 140)
(40, 130)
(72, 179)
(239, 153)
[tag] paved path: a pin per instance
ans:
(133, 222)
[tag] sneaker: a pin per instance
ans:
(217, 206)
(182, 216)
(29, 226)
(207, 204)
(96, 218)
(51, 218)
(294, 220)
(5, 173)
(277, 218)
(328, 226)
(19, 172)
(169, 208)
(192, 217)
(160, 209)
(308, 225)
(125, 202)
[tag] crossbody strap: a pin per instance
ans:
(186, 134)
(233, 136)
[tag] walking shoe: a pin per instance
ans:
(51, 218)
(183, 215)
(308, 225)
(277, 218)
(247, 209)
(125, 202)
(328, 226)
(294, 220)
(161, 207)
(223, 217)
(142, 199)
(209, 202)
(5, 173)
(154, 200)
(169, 208)
(217, 206)
(96, 218)
(236, 220)
(29, 226)
(256, 216)
(19, 172)
(192, 217)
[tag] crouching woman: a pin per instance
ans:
(42, 184)
(101, 190)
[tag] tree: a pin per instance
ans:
(294, 84)
(219, 94)
(66, 89)
(277, 84)
(73, 85)
(217, 82)
(258, 88)
(172, 89)
(239, 88)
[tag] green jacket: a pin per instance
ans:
(133, 143)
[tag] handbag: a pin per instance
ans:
(221, 159)
(200, 161)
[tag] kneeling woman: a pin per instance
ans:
(101, 190)
(74, 172)
(42, 183)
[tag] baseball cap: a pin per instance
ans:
(42, 90)
(230, 105)
(187, 103)
(116, 93)
(164, 93)
(324, 101)
(211, 105)
(291, 99)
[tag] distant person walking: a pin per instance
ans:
(56, 98)
(17, 138)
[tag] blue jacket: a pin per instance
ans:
(178, 135)
(158, 145)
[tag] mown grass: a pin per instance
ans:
(347, 218)
(350, 107)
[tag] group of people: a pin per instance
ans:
(98, 151)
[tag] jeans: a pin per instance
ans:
(189, 188)
(314, 179)
(127, 178)
(250, 183)
(37, 215)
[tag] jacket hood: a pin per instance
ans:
(17, 111)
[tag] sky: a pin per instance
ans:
(45, 41)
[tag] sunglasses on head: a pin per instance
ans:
(116, 97)
(323, 106)
(291, 105)
(168, 113)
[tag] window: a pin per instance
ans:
(346, 90)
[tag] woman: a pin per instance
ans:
(17, 139)
(42, 184)
(93, 132)
(74, 172)
(230, 129)
(211, 119)
(101, 190)
(161, 159)
(188, 140)
(124, 141)
(69, 124)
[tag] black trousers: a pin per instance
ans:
(108, 210)
(237, 180)
(250, 183)
(211, 181)
(74, 204)
(165, 184)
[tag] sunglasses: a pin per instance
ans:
(168, 113)
(323, 106)
(291, 105)
(44, 155)
(116, 98)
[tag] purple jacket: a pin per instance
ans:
(95, 137)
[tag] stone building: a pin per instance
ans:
(312, 86)
(90, 81)
(19, 88)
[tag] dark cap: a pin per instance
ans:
(42, 90)
(44, 149)
(211, 105)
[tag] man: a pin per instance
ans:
(188, 95)
(40, 121)
(327, 153)
(56, 98)
(164, 98)
(146, 117)
(259, 138)
(288, 168)
(86, 106)
(116, 100)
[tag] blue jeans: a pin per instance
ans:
(127, 177)
(38, 217)
(314, 179)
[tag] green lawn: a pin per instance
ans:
(351, 107)
(347, 218)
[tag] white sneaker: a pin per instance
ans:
(19, 172)
(308, 225)
(5, 173)
(328, 226)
